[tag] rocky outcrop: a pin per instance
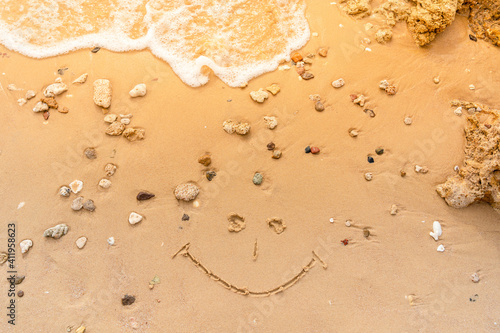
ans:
(484, 19)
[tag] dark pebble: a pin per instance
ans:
(185, 217)
(271, 146)
(370, 159)
(19, 279)
(61, 71)
(379, 151)
(144, 196)
(308, 150)
(473, 38)
(319, 106)
(128, 300)
(20, 293)
(210, 175)
(95, 49)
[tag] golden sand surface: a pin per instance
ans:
(394, 280)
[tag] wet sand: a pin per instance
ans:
(367, 283)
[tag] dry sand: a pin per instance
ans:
(395, 280)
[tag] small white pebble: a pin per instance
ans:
(196, 204)
(331, 220)
(134, 218)
(111, 241)
(315, 34)
(348, 223)
(368, 176)
(125, 121)
(408, 121)
(368, 49)
(475, 278)
(456, 168)
(440, 248)
(472, 87)
(21, 205)
(458, 111)
(341, 25)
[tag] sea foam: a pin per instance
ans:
(238, 40)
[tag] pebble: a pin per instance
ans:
(332, 220)
(134, 134)
(394, 210)
(379, 151)
(259, 96)
(472, 87)
(20, 293)
(273, 89)
(80, 329)
(276, 154)
(408, 120)
(402, 173)
(296, 57)
(436, 80)
(421, 169)
(138, 91)
(437, 231)
(105, 183)
(134, 218)
(300, 70)
(102, 93)
(271, 122)
(458, 111)
(77, 204)
(141, 196)
(339, 83)
(115, 129)
(128, 300)
(323, 51)
(80, 242)
(314, 150)
(319, 106)
(231, 126)
(40, 107)
(475, 278)
(125, 121)
(111, 241)
(25, 245)
(390, 90)
(383, 84)
(308, 150)
(57, 231)
(271, 146)
(55, 89)
(369, 112)
(110, 169)
(257, 178)
(360, 100)
(307, 76)
(90, 153)
(110, 118)
(63, 110)
(205, 159)
(348, 223)
(353, 133)
(186, 191)
(81, 79)
(50, 101)
(368, 176)
(19, 279)
(473, 38)
(366, 232)
(210, 175)
(95, 49)
(76, 186)
(89, 205)
(370, 159)
(440, 248)
(30, 94)
(64, 191)
(185, 217)
(21, 101)
(46, 115)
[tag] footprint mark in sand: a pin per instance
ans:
(277, 224)
(236, 222)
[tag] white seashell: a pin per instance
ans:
(134, 218)
(440, 248)
(437, 230)
(25, 245)
(76, 186)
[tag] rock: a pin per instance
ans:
(111, 241)
(228, 126)
(458, 111)
(185, 217)
(308, 149)
(110, 118)
(353, 132)
(276, 154)
(379, 151)
(358, 8)
(300, 70)
(273, 89)
(80, 329)
(21, 101)
(80, 242)
(338, 83)
(102, 93)
(116, 128)
(240, 128)
(19, 279)
(20, 293)
(205, 159)
(25, 245)
(134, 218)
(105, 183)
(63, 110)
(436, 80)
(270, 146)
(271, 122)
(370, 159)
(110, 169)
(134, 134)
(40, 107)
(46, 115)
(64, 191)
(50, 101)
(81, 79)
(259, 96)
(57, 231)
(89, 205)
(358, 99)
(138, 91)
(314, 150)
(323, 51)
(436, 230)
(402, 173)
(408, 121)
(77, 204)
(210, 175)
(257, 178)
(383, 35)
(421, 169)
(30, 94)
(76, 186)
(125, 121)
(186, 191)
(55, 89)
(368, 176)
(307, 76)
(394, 210)
(440, 248)
(296, 57)
(319, 106)
(366, 232)
(128, 300)
(90, 153)
(143, 195)
(475, 278)
(390, 90)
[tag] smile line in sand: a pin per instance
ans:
(184, 251)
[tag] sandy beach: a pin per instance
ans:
(387, 277)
